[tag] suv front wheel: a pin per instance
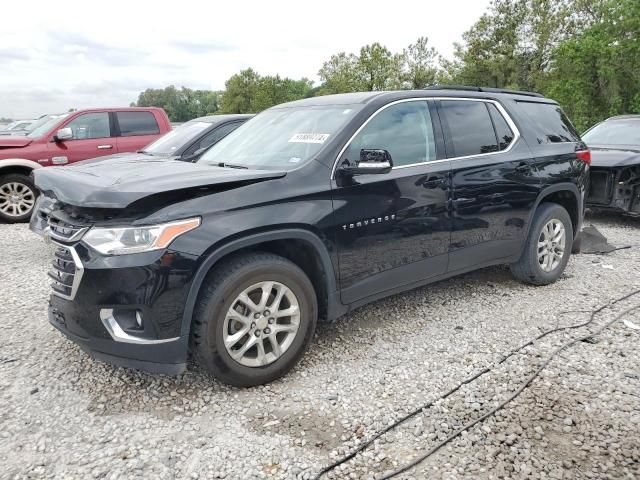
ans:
(548, 246)
(17, 197)
(254, 318)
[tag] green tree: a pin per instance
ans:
(511, 45)
(379, 69)
(420, 64)
(375, 68)
(249, 92)
(339, 74)
(596, 73)
(181, 105)
(240, 90)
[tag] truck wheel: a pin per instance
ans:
(548, 246)
(254, 317)
(17, 197)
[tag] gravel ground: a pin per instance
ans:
(63, 415)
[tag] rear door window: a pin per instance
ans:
(549, 122)
(470, 127)
(137, 123)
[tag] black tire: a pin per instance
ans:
(220, 291)
(6, 211)
(528, 268)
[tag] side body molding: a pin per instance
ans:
(335, 308)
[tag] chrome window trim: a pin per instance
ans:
(503, 112)
(77, 276)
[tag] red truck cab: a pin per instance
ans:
(67, 138)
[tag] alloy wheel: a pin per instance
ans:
(551, 245)
(261, 324)
(16, 199)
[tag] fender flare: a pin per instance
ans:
(228, 248)
(558, 187)
(18, 162)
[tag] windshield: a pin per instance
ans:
(42, 126)
(614, 132)
(281, 137)
(176, 138)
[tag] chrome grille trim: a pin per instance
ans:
(62, 231)
(66, 272)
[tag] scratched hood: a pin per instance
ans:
(614, 156)
(119, 182)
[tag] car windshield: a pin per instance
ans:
(614, 132)
(176, 138)
(42, 126)
(280, 137)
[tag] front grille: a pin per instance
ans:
(63, 231)
(66, 272)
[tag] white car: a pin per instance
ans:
(19, 127)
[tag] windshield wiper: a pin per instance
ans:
(231, 165)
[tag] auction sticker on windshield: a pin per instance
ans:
(309, 138)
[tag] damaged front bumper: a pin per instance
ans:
(126, 310)
(615, 189)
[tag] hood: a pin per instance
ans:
(117, 183)
(609, 156)
(131, 156)
(14, 141)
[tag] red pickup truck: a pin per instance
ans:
(67, 138)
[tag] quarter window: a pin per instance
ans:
(404, 130)
(137, 123)
(550, 122)
(470, 128)
(90, 125)
(503, 131)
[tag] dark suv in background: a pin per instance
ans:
(306, 211)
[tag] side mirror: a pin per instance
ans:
(372, 161)
(63, 134)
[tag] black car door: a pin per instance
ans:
(494, 182)
(393, 227)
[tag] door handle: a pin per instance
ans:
(434, 182)
(104, 147)
(523, 167)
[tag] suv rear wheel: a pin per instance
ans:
(254, 318)
(17, 197)
(548, 247)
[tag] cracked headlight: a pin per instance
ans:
(120, 241)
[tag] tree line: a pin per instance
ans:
(583, 53)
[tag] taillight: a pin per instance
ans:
(584, 155)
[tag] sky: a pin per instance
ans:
(60, 55)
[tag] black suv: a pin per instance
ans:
(305, 212)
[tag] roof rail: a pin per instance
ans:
(483, 89)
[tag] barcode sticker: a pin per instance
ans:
(309, 138)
